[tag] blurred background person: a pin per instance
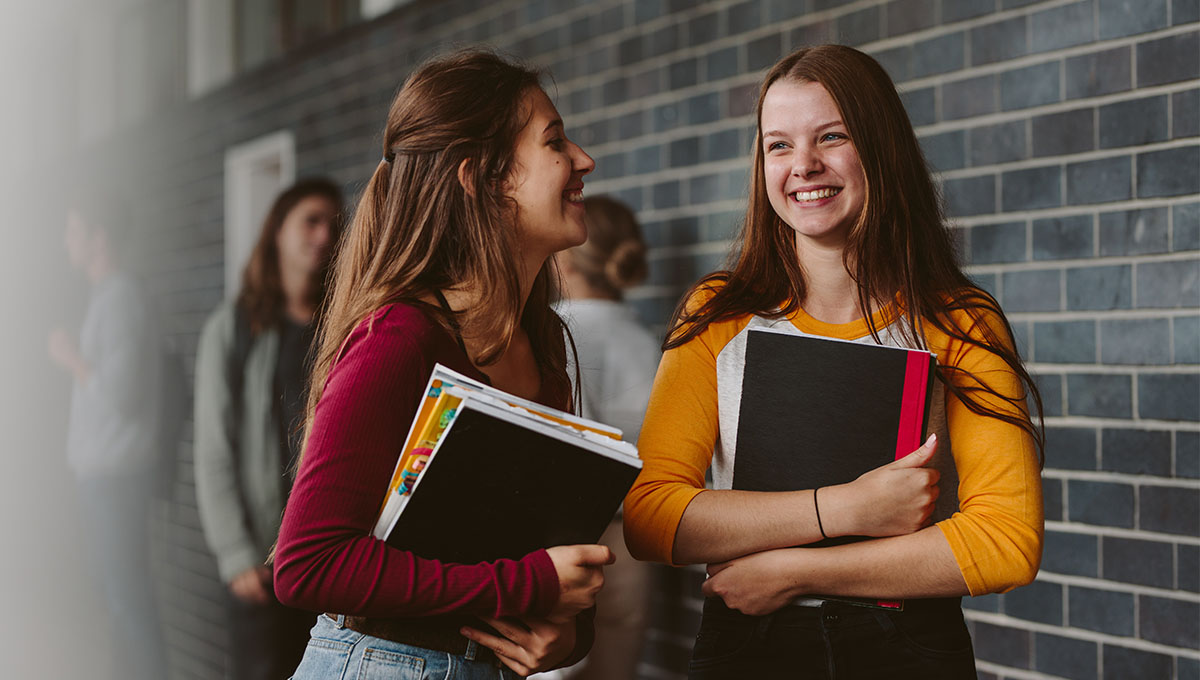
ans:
(617, 360)
(252, 367)
(112, 441)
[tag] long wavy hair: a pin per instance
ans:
(261, 296)
(417, 229)
(898, 249)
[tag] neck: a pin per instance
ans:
(830, 292)
(466, 298)
(297, 295)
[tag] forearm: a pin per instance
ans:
(721, 525)
(912, 566)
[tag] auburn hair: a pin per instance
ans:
(899, 249)
(418, 229)
(261, 296)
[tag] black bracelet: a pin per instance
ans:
(818, 509)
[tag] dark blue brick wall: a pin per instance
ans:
(1065, 135)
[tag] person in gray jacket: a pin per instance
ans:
(251, 379)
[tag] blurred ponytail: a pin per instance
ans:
(614, 256)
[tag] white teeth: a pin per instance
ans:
(815, 195)
(575, 196)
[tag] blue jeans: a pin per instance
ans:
(338, 653)
(834, 641)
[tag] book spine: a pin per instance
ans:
(912, 404)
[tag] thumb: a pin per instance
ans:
(919, 457)
(595, 555)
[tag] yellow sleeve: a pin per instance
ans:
(997, 534)
(676, 447)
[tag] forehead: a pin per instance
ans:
(795, 104)
(539, 109)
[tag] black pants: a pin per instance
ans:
(835, 641)
(266, 641)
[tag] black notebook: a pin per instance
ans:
(502, 477)
(819, 412)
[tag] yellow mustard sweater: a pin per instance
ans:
(996, 529)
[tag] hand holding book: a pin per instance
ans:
(580, 576)
(892, 500)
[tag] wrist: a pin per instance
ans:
(793, 568)
(834, 505)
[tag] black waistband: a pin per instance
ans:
(930, 605)
(439, 633)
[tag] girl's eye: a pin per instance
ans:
(774, 146)
(558, 143)
(832, 136)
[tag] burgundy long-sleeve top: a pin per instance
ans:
(326, 559)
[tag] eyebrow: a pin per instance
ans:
(823, 126)
(557, 122)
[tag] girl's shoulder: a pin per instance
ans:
(401, 325)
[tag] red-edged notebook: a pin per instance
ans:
(820, 411)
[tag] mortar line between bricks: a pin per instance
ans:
(1130, 370)
(1010, 673)
(682, 131)
(1078, 634)
(680, 173)
(1121, 423)
(1117, 532)
(743, 38)
(1058, 107)
(1032, 59)
(1104, 260)
(1122, 478)
(589, 79)
(704, 248)
(1067, 159)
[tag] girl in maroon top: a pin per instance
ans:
(447, 260)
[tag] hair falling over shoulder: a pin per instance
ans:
(899, 249)
(419, 228)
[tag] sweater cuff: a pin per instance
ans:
(545, 581)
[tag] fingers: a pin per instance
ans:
(499, 645)
(515, 630)
(516, 666)
(718, 567)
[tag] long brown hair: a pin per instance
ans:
(898, 249)
(261, 296)
(417, 229)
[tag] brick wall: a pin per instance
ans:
(1065, 134)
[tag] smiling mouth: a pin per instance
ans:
(809, 196)
(574, 196)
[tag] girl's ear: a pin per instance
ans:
(466, 170)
